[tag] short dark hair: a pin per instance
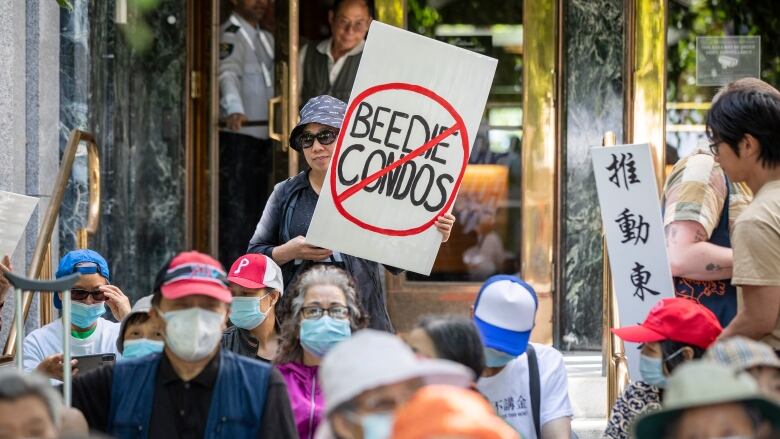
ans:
(456, 339)
(742, 110)
(137, 318)
(669, 347)
(369, 4)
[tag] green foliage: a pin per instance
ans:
(718, 18)
(422, 18)
(137, 32)
(65, 4)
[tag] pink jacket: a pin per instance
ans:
(305, 396)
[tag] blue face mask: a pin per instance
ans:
(318, 336)
(245, 312)
(495, 358)
(141, 347)
(377, 425)
(652, 371)
(83, 316)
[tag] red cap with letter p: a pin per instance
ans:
(256, 271)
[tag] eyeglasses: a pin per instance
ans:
(359, 26)
(325, 137)
(715, 147)
(79, 295)
(316, 312)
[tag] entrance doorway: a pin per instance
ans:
(509, 189)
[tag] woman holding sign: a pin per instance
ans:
(287, 215)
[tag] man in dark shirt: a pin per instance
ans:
(192, 389)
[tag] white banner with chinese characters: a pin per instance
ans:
(633, 225)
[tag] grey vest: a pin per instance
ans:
(316, 80)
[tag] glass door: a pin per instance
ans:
(254, 107)
(486, 238)
(508, 190)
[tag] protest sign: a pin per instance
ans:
(631, 217)
(402, 150)
(15, 213)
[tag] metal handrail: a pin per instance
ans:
(40, 265)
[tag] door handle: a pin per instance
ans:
(282, 102)
(272, 103)
(285, 103)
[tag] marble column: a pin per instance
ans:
(133, 101)
(74, 73)
(593, 99)
(137, 113)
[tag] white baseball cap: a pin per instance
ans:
(372, 359)
(504, 313)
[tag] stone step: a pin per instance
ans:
(587, 392)
(588, 428)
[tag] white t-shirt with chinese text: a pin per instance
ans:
(47, 340)
(509, 391)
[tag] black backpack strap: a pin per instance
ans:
(535, 386)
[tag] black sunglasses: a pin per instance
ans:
(79, 294)
(325, 137)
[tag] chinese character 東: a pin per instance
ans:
(639, 278)
(623, 170)
(633, 227)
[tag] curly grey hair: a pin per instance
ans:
(15, 385)
(290, 349)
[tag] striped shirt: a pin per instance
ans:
(695, 190)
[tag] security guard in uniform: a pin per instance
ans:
(246, 83)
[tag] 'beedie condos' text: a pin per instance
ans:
(380, 136)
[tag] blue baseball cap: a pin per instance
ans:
(84, 262)
(505, 312)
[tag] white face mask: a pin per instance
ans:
(193, 333)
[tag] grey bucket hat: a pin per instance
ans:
(324, 109)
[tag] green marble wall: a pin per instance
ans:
(133, 101)
(593, 102)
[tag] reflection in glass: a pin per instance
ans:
(687, 101)
(486, 236)
(73, 213)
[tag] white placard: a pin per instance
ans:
(631, 216)
(15, 213)
(402, 150)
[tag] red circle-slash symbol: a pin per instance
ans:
(459, 126)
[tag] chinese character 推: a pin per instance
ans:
(623, 170)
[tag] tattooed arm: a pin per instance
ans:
(692, 257)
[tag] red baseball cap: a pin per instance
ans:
(256, 271)
(194, 273)
(676, 319)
